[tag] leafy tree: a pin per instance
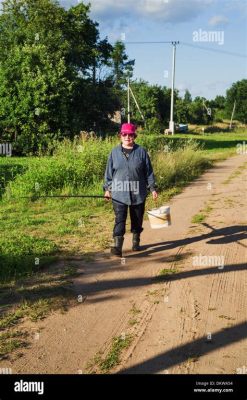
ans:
(50, 65)
(82, 35)
(154, 102)
(35, 84)
(122, 68)
(187, 97)
(238, 93)
(198, 113)
(218, 105)
(182, 111)
(219, 102)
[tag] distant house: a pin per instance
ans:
(116, 118)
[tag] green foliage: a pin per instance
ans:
(198, 113)
(51, 80)
(19, 260)
(35, 83)
(154, 102)
(113, 357)
(9, 169)
(198, 218)
(179, 167)
(75, 164)
(122, 68)
(182, 111)
(78, 167)
(29, 107)
(238, 93)
(187, 96)
(154, 125)
(219, 102)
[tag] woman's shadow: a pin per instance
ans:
(216, 236)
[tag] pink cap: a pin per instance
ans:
(128, 128)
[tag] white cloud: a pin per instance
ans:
(157, 10)
(218, 20)
(236, 5)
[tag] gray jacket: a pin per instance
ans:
(128, 180)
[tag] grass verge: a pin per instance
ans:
(113, 358)
(31, 299)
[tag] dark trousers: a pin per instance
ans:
(136, 218)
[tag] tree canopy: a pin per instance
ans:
(238, 93)
(51, 79)
(58, 77)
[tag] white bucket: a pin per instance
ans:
(159, 217)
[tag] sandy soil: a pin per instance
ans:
(193, 321)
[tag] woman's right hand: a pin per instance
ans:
(155, 195)
(107, 195)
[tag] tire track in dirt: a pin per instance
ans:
(221, 287)
(67, 342)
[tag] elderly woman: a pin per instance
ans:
(128, 176)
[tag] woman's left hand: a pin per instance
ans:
(155, 195)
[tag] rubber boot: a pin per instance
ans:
(118, 245)
(136, 242)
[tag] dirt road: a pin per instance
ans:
(191, 320)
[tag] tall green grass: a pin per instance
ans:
(79, 166)
(179, 167)
(75, 167)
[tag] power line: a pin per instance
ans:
(214, 50)
(193, 46)
(149, 42)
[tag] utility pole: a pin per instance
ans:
(171, 123)
(208, 109)
(137, 105)
(130, 92)
(233, 111)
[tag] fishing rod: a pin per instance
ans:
(36, 197)
(65, 196)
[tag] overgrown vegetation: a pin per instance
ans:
(52, 88)
(75, 167)
(52, 85)
(50, 73)
(69, 226)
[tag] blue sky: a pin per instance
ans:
(217, 24)
(204, 73)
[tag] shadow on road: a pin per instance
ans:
(185, 352)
